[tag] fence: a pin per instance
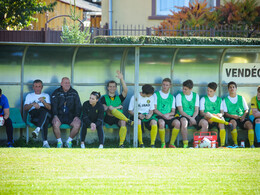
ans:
(53, 36)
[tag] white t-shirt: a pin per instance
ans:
(145, 104)
(234, 101)
(164, 96)
(189, 98)
(32, 97)
(212, 99)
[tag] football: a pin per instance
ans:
(205, 143)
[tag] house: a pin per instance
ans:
(88, 12)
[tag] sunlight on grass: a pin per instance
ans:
(117, 171)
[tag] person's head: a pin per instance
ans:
(187, 87)
(111, 87)
(212, 87)
(37, 86)
(94, 97)
(232, 88)
(65, 84)
(147, 90)
(166, 85)
(258, 92)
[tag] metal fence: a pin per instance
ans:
(53, 36)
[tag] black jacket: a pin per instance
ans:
(71, 97)
(93, 114)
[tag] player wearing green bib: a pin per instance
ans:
(187, 103)
(255, 114)
(165, 111)
(211, 109)
(236, 110)
(113, 107)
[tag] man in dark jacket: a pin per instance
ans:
(66, 109)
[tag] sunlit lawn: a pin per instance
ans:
(123, 171)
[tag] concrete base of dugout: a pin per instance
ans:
(113, 134)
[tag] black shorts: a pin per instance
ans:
(111, 120)
(64, 119)
(145, 124)
(239, 123)
(168, 122)
(197, 119)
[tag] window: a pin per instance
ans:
(161, 8)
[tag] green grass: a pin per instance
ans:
(129, 171)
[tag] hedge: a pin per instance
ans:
(175, 40)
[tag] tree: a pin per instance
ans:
(19, 14)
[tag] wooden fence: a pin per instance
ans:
(52, 36)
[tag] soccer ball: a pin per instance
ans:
(205, 143)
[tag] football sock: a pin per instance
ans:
(69, 139)
(153, 134)
(59, 140)
(116, 113)
(218, 120)
(234, 136)
(222, 135)
(175, 133)
(257, 132)
(122, 135)
(162, 135)
(185, 143)
(140, 135)
(251, 137)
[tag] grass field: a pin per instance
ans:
(129, 171)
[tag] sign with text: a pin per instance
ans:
(241, 72)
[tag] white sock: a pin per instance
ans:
(45, 142)
(59, 140)
(69, 139)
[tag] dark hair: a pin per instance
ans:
(37, 81)
(147, 89)
(97, 94)
(167, 80)
(258, 89)
(111, 82)
(188, 83)
(213, 86)
(0, 91)
(232, 83)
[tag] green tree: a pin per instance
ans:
(17, 14)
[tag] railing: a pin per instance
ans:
(53, 36)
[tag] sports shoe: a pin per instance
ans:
(130, 122)
(152, 146)
(82, 146)
(141, 146)
(68, 144)
(185, 146)
(46, 145)
(35, 133)
(122, 146)
(163, 145)
(101, 146)
(59, 145)
(10, 145)
(252, 146)
(172, 146)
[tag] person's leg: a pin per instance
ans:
(222, 134)
(116, 113)
(140, 134)
(204, 124)
(83, 134)
(100, 132)
(234, 131)
(184, 131)
(76, 123)
(175, 131)
(9, 130)
(162, 132)
(122, 132)
(257, 130)
(56, 123)
(249, 126)
(154, 128)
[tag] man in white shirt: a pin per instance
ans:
(236, 110)
(164, 104)
(38, 105)
(145, 113)
(211, 111)
(187, 103)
